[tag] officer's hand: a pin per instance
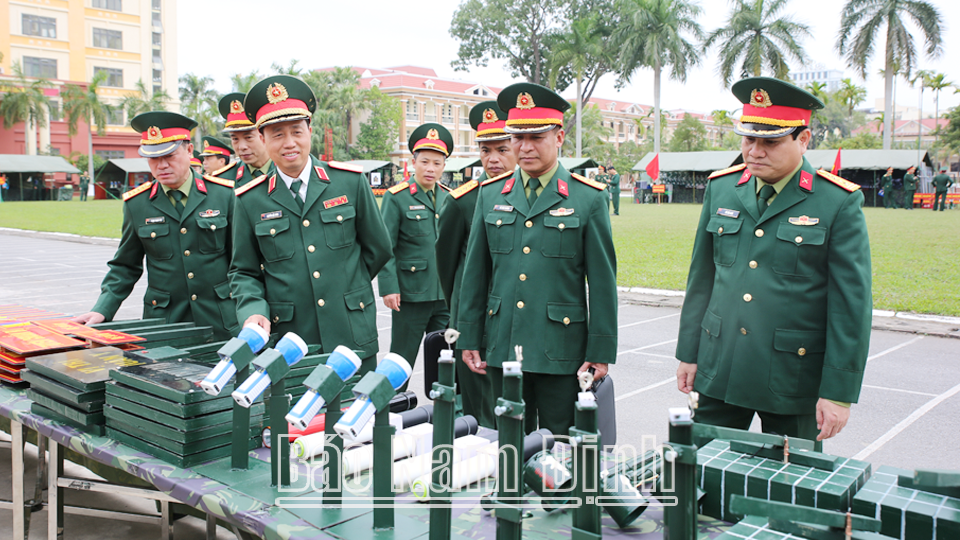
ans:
(89, 318)
(392, 301)
(599, 370)
(686, 373)
(258, 320)
(473, 361)
(831, 418)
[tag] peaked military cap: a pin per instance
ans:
(488, 120)
(431, 136)
(531, 108)
(231, 108)
(772, 108)
(281, 98)
(195, 159)
(213, 146)
(161, 132)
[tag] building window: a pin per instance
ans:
(157, 59)
(430, 112)
(107, 39)
(157, 89)
(412, 111)
(110, 154)
(54, 107)
(157, 76)
(157, 39)
(34, 25)
(156, 5)
(448, 114)
(156, 20)
(114, 76)
(115, 116)
(112, 5)
(40, 67)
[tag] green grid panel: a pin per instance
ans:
(905, 513)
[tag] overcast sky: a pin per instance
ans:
(383, 33)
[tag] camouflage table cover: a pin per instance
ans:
(246, 499)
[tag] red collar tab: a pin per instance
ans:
(240, 172)
(745, 177)
(562, 188)
(321, 173)
(201, 186)
(413, 188)
(508, 186)
(272, 185)
(806, 181)
(153, 190)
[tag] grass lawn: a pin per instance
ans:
(915, 253)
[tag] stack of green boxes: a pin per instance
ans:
(905, 512)
(724, 472)
(160, 409)
(755, 528)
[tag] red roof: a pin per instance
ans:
(903, 127)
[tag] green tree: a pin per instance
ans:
(689, 136)
(198, 100)
(83, 104)
(144, 101)
(851, 94)
(757, 37)
(652, 34)
(24, 100)
(339, 100)
(578, 48)
(378, 135)
(244, 82)
(937, 82)
(721, 117)
(860, 23)
(595, 133)
(832, 124)
(948, 143)
(293, 70)
(818, 89)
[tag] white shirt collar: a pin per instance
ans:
(304, 175)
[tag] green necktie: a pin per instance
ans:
(295, 188)
(178, 200)
(257, 173)
(433, 197)
(766, 192)
(533, 184)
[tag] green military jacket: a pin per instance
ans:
(309, 271)
(886, 182)
(614, 182)
(941, 182)
(778, 309)
(411, 221)
(527, 270)
(456, 217)
(188, 256)
(909, 182)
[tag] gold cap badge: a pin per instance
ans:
(153, 134)
(489, 116)
(525, 101)
(276, 93)
(433, 134)
(760, 98)
(236, 106)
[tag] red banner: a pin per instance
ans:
(836, 162)
(653, 168)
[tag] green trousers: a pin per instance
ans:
(908, 199)
(549, 400)
(716, 412)
(476, 392)
(411, 323)
(615, 199)
(888, 198)
(942, 197)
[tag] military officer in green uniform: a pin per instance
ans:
(410, 212)
(538, 236)
(84, 186)
(182, 224)
(613, 180)
(456, 218)
(215, 155)
(196, 163)
(309, 237)
(886, 183)
(941, 183)
(776, 319)
(909, 188)
(246, 140)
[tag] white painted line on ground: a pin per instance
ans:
(894, 348)
(645, 347)
(645, 388)
(649, 320)
(657, 355)
(382, 329)
(898, 390)
(906, 422)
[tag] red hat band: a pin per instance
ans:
(491, 128)
(431, 144)
(534, 116)
(776, 115)
(238, 119)
(155, 135)
(216, 150)
(286, 107)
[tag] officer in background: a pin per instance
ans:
(776, 318)
(84, 186)
(456, 218)
(410, 212)
(215, 155)
(613, 180)
(196, 163)
(246, 140)
(909, 188)
(538, 236)
(941, 183)
(182, 224)
(309, 237)
(886, 183)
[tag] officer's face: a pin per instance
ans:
(250, 147)
(774, 159)
(288, 145)
(212, 164)
(537, 152)
(429, 168)
(497, 157)
(173, 169)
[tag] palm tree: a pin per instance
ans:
(291, 70)
(198, 100)
(578, 48)
(339, 99)
(851, 94)
(243, 83)
(721, 118)
(144, 101)
(937, 82)
(83, 104)
(755, 34)
(818, 89)
(25, 101)
(651, 35)
(862, 20)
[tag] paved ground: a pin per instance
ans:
(907, 415)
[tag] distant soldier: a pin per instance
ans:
(941, 183)
(247, 142)
(886, 184)
(84, 186)
(909, 188)
(613, 180)
(196, 163)
(215, 155)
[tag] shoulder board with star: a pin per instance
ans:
(592, 183)
(728, 170)
(845, 184)
(345, 166)
(249, 185)
(444, 187)
(497, 178)
(219, 181)
(464, 189)
(136, 191)
(399, 187)
(222, 170)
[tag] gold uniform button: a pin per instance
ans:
(526, 250)
(802, 351)
(798, 239)
(490, 312)
(743, 331)
(561, 226)
(306, 223)
(194, 297)
(520, 304)
(747, 297)
(261, 268)
(523, 277)
(758, 233)
(566, 321)
(213, 227)
(320, 302)
(154, 302)
(753, 264)
(361, 305)
(186, 253)
(499, 222)
(276, 318)
(183, 230)
(413, 268)
(418, 216)
(273, 231)
(153, 235)
(720, 230)
(189, 275)
(311, 249)
(529, 224)
(316, 275)
(339, 218)
(437, 216)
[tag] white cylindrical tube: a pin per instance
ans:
(218, 377)
(305, 410)
(408, 470)
(360, 459)
(465, 473)
(251, 389)
(356, 417)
